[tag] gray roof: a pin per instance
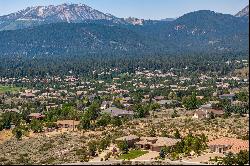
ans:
(162, 102)
(117, 112)
(206, 106)
(227, 96)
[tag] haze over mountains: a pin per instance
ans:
(75, 29)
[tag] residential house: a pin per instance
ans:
(200, 97)
(227, 97)
(105, 105)
(158, 98)
(155, 143)
(12, 110)
(206, 106)
(167, 102)
(116, 112)
(27, 95)
(36, 116)
(225, 145)
(206, 113)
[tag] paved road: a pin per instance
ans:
(144, 162)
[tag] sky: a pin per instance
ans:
(147, 9)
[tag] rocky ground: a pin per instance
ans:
(72, 147)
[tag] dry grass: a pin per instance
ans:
(244, 72)
(57, 147)
(5, 135)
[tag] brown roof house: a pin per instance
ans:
(36, 116)
(156, 143)
(225, 145)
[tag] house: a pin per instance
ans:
(12, 110)
(158, 98)
(72, 124)
(27, 95)
(126, 100)
(131, 140)
(206, 106)
(92, 97)
(227, 97)
(239, 103)
(51, 107)
(200, 97)
(163, 102)
(167, 102)
(116, 112)
(155, 143)
(79, 93)
(105, 105)
(36, 116)
(206, 113)
(225, 145)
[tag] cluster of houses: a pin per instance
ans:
(148, 143)
(70, 88)
(222, 145)
(59, 90)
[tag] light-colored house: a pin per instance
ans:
(168, 102)
(116, 112)
(206, 113)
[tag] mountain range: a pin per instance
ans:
(75, 29)
(244, 12)
(70, 13)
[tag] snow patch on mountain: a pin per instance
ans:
(64, 12)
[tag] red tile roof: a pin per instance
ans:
(237, 144)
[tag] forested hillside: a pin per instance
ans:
(196, 32)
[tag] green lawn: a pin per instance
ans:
(132, 154)
(11, 89)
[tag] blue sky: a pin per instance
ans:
(148, 9)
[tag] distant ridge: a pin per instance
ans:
(244, 12)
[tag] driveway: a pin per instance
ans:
(206, 157)
(147, 157)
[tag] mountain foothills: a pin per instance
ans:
(75, 30)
